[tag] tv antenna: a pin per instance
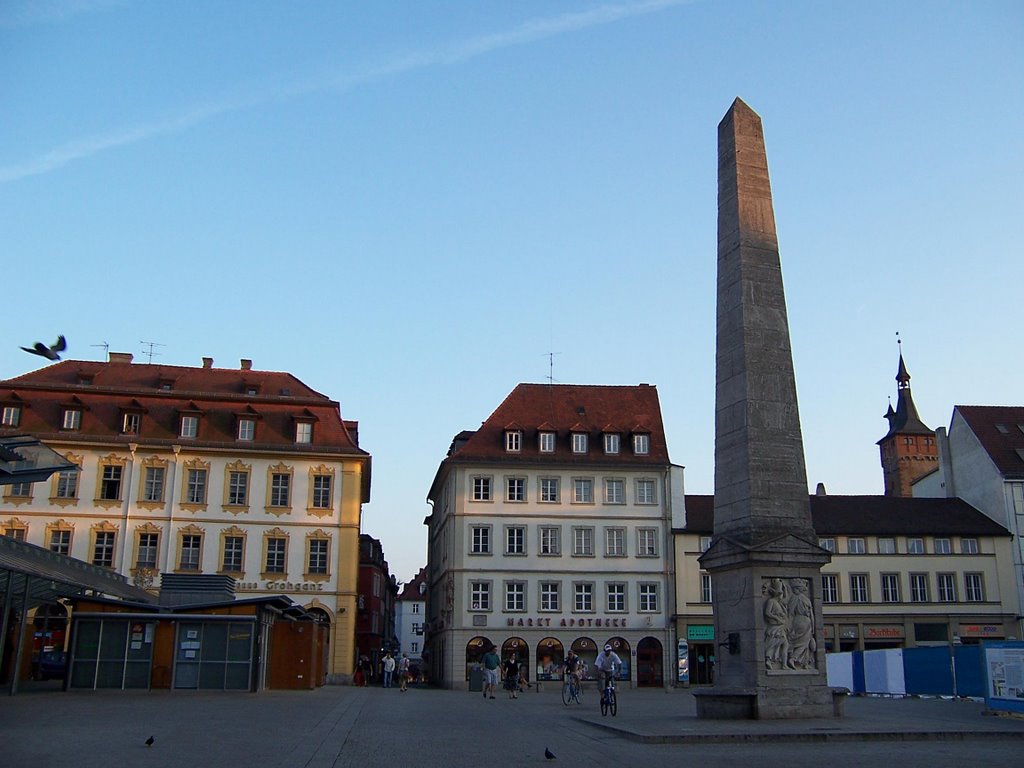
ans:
(551, 366)
(106, 349)
(150, 351)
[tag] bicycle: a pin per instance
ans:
(608, 701)
(572, 690)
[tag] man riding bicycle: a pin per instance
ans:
(572, 667)
(609, 664)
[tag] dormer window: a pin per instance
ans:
(189, 426)
(246, 429)
(130, 423)
(547, 442)
(304, 432)
(579, 442)
(11, 416)
(641, 444)
(513, 441)
(611, 442)
(72, 418)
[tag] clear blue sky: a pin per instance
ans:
(408, 204)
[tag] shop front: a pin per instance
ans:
(700, 639)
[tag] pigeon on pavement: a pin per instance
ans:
(549, 754)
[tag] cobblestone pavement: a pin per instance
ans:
(343, 726)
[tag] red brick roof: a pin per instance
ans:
(1000, 430)
(161, 394)
(566, 409)
(411, 591)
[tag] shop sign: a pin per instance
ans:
(848, 631)
(545, 621)
(282, 586)
(981, 630)
(700, 632)
(886, 632)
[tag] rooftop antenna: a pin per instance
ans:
(106, 350)
(150, 352)
(551, 367)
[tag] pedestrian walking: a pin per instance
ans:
(511, 669)
(491, 662)
(403, 673)
(389, 669)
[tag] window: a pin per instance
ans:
(316, 559)
(195, 489)
(60, 542)
(829, 588)
(67, 484)
(191, 551)
(130, 423)
(583, 542)
(645, 492)
(583, 490)
(890, 588)
(855, 546)
(280, 489)
(946, 584)
(234, 548)
(647, 542)
(583, 597)
(611, 443)
(189, 426)
(103, 549)
(828, 544)
(18, 534)
(641, 444)
(481, 489)
(18, 490)
(550, 540)
(614, 491)
(886, 545)
(579, 442)
(11, 416)
(943, 546)
(238, 488)
(481, 540)
(513, 441)
(974, 588)
(148, 548)
(919, 587)
(547, 442)
(110, 482)
(550, 596)
(648, 597)
(969, 546)
(276, 551)
(616, 597)
(153, 485)
(72, 418)
(549, 489)
(246, 429)
(304, 432)
(705, 588)
(515, 489)
(915, 546)
(858, 588)
(414, 647)
(322, 496)
(515, 540)
(515, 596)
(614, 542)
(480, 595)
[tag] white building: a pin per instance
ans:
(410, 616)
(981, 460)
(551, 530)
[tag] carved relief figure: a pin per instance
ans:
(802, 646)
(776, 625)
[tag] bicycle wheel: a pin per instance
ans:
(566, 693)
(577, 693)
(604, 703)
(613, 704)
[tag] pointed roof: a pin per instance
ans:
(905, 419)
(1000, 430)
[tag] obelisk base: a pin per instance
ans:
(770, 703)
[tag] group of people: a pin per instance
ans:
(607, 663)
(389, 665)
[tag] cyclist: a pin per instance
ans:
(572, 668)
(609, 665)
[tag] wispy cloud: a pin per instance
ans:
(528, 32)
(27, 13)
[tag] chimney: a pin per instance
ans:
(119, 357)
(820, 490)
(246, 364)
(207, 362)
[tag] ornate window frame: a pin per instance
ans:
(186, 467)
(318, 535)
(237, 533)
(275, 533)
(321, 470)
(280, 469)
(238, 466)
(67, 501)
(110, 460)
(152, 462)
(59, 525)
(148, 528)
(189, 530)
(104, 526)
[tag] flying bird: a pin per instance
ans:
(549, 754)
(50, 353)
(149, 741)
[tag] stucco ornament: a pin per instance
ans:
(789, 642)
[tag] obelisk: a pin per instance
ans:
(764, 559)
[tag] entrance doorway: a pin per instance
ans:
(649, 663)
(702, 663)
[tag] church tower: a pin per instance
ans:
(908, 450)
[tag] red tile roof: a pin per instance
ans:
(1000, 430)
(411, 591)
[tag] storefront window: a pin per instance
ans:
(550, 659)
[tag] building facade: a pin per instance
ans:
(981, 460)
(410, 617)
(375, 623)
(551, 531)
(238, 472)
(904, 572)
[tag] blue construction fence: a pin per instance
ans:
(956, 670)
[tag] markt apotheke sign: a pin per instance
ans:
(282, 586)
(547, 621)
